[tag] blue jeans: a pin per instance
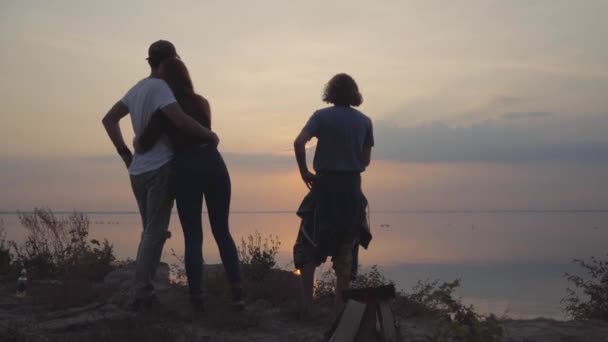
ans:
(201, 172)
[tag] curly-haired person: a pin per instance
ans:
(333, 214)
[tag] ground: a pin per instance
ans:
(77, 311)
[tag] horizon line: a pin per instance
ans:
(405, 211)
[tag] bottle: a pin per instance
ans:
(21, 284)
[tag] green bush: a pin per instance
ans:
(59, 247)
(593, 302)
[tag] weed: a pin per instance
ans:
(5, 255)
(593, 304)
(57, 247)
(258, 256)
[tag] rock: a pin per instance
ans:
(122, 280)
(261, 321)
(213, 274)
(547, 330)
(162, 279)
(123, 277)
(49, 282)
(72, 311)
(77, 317)
(213, 270)
(533, 330)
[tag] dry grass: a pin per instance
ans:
(57, 247)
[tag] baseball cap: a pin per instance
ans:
(161, 50)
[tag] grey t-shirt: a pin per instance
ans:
(341, 132)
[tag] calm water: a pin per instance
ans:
(509, 262)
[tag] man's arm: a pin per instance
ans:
(183, 121)
(110, 122)
(299, 146)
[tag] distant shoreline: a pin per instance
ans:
(496, 211)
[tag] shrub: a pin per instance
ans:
(261, 277)
(430, 299)
(456, 321)
(258, 256)
(325, 286)
(58, 247)
(178, 269)
(594, 287)
(5, 255)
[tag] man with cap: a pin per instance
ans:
(150, 171)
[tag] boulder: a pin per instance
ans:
(121, 279)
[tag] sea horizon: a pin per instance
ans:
(404, 211)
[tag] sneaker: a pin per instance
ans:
(238, 300)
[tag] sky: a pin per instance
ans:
(476, 105)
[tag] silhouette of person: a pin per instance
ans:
(333, 213)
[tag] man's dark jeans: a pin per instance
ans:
(201, 171)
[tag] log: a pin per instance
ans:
(349, 322)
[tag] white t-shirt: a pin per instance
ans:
(145, 98)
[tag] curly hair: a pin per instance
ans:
(342, 90)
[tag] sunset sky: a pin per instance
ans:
(483, 104)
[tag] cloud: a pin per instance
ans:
(101, 181)
(498, 140)
(525, 115)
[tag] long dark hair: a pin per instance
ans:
(175, 73)
(342, 90)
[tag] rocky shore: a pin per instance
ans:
(101, 316)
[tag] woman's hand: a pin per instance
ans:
(126, 155)
(308, 178)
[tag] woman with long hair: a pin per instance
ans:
(199, 172)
